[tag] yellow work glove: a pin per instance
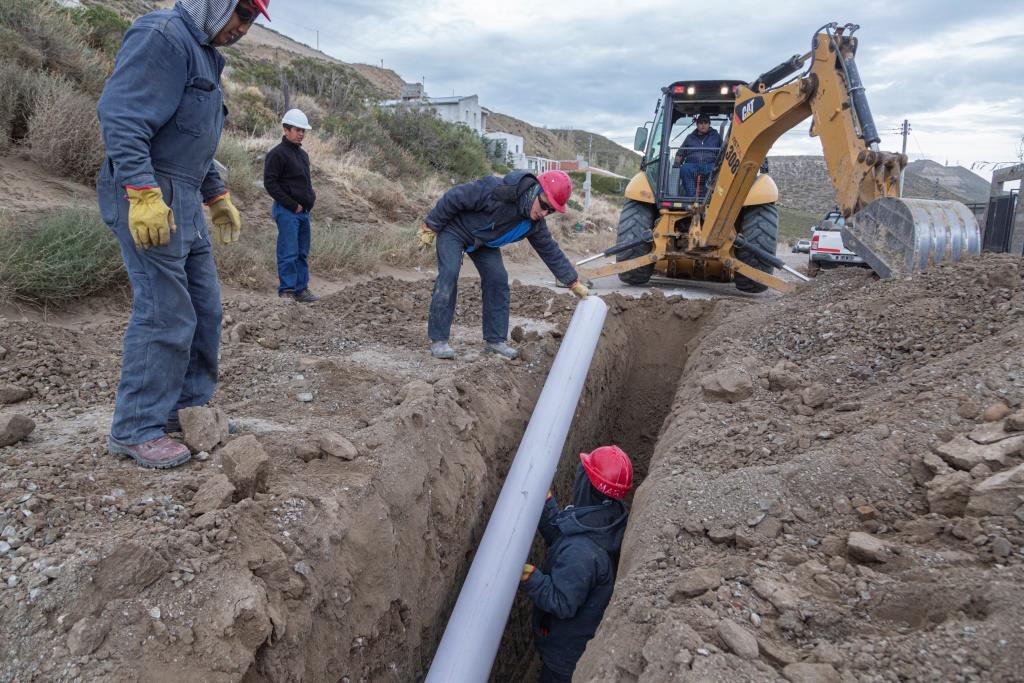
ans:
(150, 221)
(528, 569)
(426, 237)
(227, 223)
(579, 289)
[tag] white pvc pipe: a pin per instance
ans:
(471, 639)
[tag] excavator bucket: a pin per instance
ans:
(900, 237)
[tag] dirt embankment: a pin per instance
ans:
(836, 494)
(329, 538)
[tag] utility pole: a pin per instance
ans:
(905, 132)
(586, 183)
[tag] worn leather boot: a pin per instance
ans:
(442, 350)
(502, 349)
(160, 453)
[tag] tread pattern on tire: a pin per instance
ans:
(635, 218)
(760, 225)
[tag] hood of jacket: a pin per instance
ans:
(601, 518)
(208, 16)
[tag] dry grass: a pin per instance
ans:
(63, 133)
(245, 180)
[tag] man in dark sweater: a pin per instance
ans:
(477, 219)
(286, 178)
(696, 158)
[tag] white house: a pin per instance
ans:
(514, 146)
(458, 109)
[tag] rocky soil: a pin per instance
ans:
(838, 493)
(832, 488)
(325, 539)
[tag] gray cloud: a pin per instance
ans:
(602, 69)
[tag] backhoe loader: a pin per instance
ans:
(722, 224)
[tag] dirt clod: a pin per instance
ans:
(247, 465)
(14, 427)
(204, 428)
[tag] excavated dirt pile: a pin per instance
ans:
(837, 494)
(326, 538)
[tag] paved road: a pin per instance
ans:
(534, 273)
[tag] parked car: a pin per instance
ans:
(827, 249)
(802, 247)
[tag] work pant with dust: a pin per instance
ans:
(691, 174)
(493, 283)
(293, 239)
(173, 337)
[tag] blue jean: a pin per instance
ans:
(293, 237)
(171, 345)
(493, 283)
(689, 172)
(550, 676)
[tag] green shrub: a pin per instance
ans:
(67, 254)
(101, 28)
(449, 148)
(63, 132)
(248, 112)
(599, 184)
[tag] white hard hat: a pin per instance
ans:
(296, 119)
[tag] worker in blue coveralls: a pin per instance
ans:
(573, 588)
(477, 219)
(161, 114)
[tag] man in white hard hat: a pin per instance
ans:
(286, 178)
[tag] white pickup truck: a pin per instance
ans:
(827, 250)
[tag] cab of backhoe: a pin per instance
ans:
(668, 142)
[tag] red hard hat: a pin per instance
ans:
(262, 6)
(557, 188)
(610, 471)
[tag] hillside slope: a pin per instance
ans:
(804, 184)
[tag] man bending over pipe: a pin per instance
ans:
(575, 585)
(479, 218)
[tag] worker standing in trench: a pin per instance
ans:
(161, 115)
(573, 588)
(479, 218)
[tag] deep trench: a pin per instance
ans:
(627, 396)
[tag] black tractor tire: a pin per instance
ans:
(760, 225)
(635, 219)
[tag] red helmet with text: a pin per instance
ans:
(557, 188)
(610, 471)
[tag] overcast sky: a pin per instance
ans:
(955, 69)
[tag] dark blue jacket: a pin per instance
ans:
(495, 211)
(698, 149)
(573, 588)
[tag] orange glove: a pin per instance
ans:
(528, 569)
